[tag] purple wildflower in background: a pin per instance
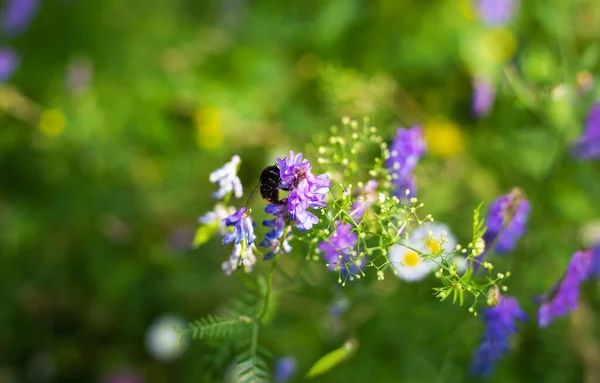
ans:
(338, 251)
(501, 325)
(483, 97)
(587, 147)
(506, 221)
(8, 63)
(596, 260)
(17, 14)
(243, 228)
(307, 191)
(285, 369)
(226, 179)
(496, 13)
(405, 151)
(367, 197)
(564, 296)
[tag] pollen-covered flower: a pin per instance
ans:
(339, 252)
(495, 13)
(564, 296)
(406, 149)
(227, 180)
(17, 14)
(506, 221)
(587, 147)
(243, 228)
(501, 321)
(425, 248)
(243, 254)
(217, 216)
(285, 369)
(8, 63)
(307, 191)
(483, 97)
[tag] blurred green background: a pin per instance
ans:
(119, 110)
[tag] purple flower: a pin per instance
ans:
(483, 97)
(506, 221)
(278, 226)
(242, 255)
(501, 325)
(367, 197)
(564, 296)
(596, 262)
(495, 13)
(17, 14)
(587, 147)
(227, 180)
(243, 229)
(307, 191)
(285, 369)
(338, 251)
(407, 148)
(9, 61)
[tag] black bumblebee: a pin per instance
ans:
(269, 183)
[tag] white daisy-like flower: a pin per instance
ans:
(163, 341)
(435, 239)
(226, 178)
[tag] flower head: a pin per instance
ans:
(433, 241)
(273, 239)
(243, 228)
(307, 191)
(339, 253)
(483, 97)
(587, 147)
(217, 216)
(495, 13)
(406, 149)
(17, 14)
(243, 254)
(227, 180)
(564, 296)
(285, 369)
(506, 221)
(501, 325)
(8, 63)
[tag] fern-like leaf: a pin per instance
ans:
(214, 327)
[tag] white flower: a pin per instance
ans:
(247, 260)
(216, 217)
(227, 180)
(435, 239)
(162, 341)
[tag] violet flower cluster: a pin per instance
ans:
(496, 13)
(564, 296)
(339, 250)
(483, 97)
(405, 151)
(587, 147)
(501, 324)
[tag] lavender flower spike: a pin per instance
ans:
(483, 97)
(240, 256)
(587, 147)
(339, 251)
(243, 229)
(307, 191)
(285, 369)
(501, 325)
(227, 180)
(506, 221)
(273, 239)
(17, 14)
(564, 297)
(8, 63)
(405, 151)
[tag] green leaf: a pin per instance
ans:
(204, 233)
(332, 359)
(216, 327)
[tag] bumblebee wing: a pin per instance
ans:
(253, 194)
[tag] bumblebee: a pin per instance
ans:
(269, 182)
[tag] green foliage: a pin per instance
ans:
(332, 359)
(214, 327)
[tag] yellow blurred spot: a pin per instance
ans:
(585, 80)
(208, 124)
(411, 259)
(497, 45)
(433, 245)
(443, 138)
(466, 9)
(52, 122)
